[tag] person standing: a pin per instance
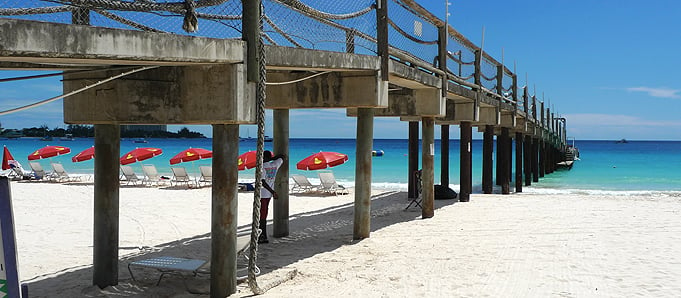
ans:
(269, 171)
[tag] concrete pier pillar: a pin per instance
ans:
(527, 158)
(487, 159)
(224, 209)
(542, 158)
(106, 205)
(365, 135)
(505, 161)
(413, 157)
(444, 155)
(280, 145)
(519, 161)
(466, 170)
(428, 172)
(535, 160)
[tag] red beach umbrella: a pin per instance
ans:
(84, 155)
(191, 154)
(322, 160)
(247, 160)
(7, 159)
(140, 154)
(48, 151)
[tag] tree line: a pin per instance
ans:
(88, 131)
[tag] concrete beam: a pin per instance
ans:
(489, 116)
(331, 90)
(458, 112)
(39, 42)
(410, 103)
(508, 120)
(459, 93)
(217, 94)
(412, 77)
(285, 58)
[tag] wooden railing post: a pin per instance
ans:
(382, 36)
(478, 64)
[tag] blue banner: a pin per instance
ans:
(9, 276)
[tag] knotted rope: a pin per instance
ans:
(260, 118)
(191, 21)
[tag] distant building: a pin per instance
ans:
(125, 128)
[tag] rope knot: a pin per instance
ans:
(191, 21)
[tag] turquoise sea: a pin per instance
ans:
(605, 166)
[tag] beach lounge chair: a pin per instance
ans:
(59, 174)
(18, 173)
(129, 175)
(168, 265)
(302, 184)
(180, 176)
(418, 183)
(38, 171)
(151, 175)
(177, 266)
(329, 184)
(206, 175)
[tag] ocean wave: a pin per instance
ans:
(600, 192)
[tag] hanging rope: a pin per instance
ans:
(190, 23)
(260, 118)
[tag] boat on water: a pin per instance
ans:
(46, 138)
(67, 137)
(622, 141)
(267, 139)
(140, 141)
(571, 155)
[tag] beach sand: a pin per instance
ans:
(521, 245)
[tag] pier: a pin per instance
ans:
(175, 63)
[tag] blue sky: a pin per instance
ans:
(612, 68)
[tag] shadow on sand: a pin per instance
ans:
(311, 233)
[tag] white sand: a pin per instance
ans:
(523, 245)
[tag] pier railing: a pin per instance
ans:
(416, 37)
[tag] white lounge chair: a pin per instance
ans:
(151, 175)
(329, 184)
(206, 175)
(59, 174)
(180, 176)
(173, 265)
(302, 184)
(38, 171)
(129, 175)
(418, 183)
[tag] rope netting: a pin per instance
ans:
(411, 33)
(337, 26)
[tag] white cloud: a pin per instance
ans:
(657, 92)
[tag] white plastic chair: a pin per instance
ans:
(206, 175)
(129, 175)
(302, 184)
(329, 184)
(151, 175)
